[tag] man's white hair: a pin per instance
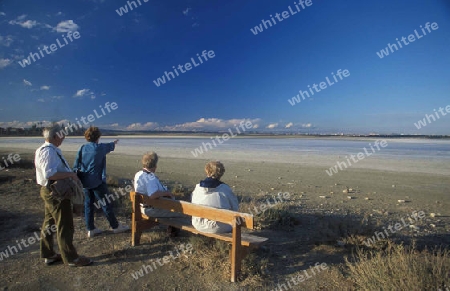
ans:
(51, 132)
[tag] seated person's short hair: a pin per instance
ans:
(214, 169)
(150, 160)
(92, 134)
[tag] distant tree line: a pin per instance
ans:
(36, 130)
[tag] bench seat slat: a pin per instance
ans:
(185, 224)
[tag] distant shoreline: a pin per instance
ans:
(240, 136)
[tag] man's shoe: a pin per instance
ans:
(121, 228)
(81, 262)
(94, 232)
(53, 259)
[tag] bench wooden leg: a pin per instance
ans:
(236, 252)
(243, 252)
(135, 234)
(137, 229)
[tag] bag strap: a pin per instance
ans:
(61, 158)
(80, 157)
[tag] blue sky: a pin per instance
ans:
(251, 77)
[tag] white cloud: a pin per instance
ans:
(27, 83)
(140, 126)
(45, 87)
(114, 126)
(28, 24)
(25, 24)
(5, 62)
(66, 26)
(59, 13)
(186, 11)
(84, 93)
(49, 99)
(2, 13)
(290, 124)
(6, 40)
(272, 125)
(202, 124)
(211, 124)
(306, 125)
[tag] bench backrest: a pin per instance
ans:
(221, 215)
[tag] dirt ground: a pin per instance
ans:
(303, 231)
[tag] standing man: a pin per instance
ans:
(51, 166)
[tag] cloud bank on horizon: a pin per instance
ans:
(49, 74)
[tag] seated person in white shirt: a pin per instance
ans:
(145, 182)
(214, 193)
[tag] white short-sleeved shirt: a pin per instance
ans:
(49, 161)
(147, 183)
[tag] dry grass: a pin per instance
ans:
(385, 266)
(400, 268)
(215, 257)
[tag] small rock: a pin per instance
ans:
(401, 201)
(340, 243)
(414, 227)
(349, 197)
(367, 198)
(272, 189)
(322, 196)
(432, 214)
(331, 192)
(344, 191)
(433, 225)
(279, 178)
(393, 186)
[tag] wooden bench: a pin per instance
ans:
(241, 243)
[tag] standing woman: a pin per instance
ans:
(91, 162)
